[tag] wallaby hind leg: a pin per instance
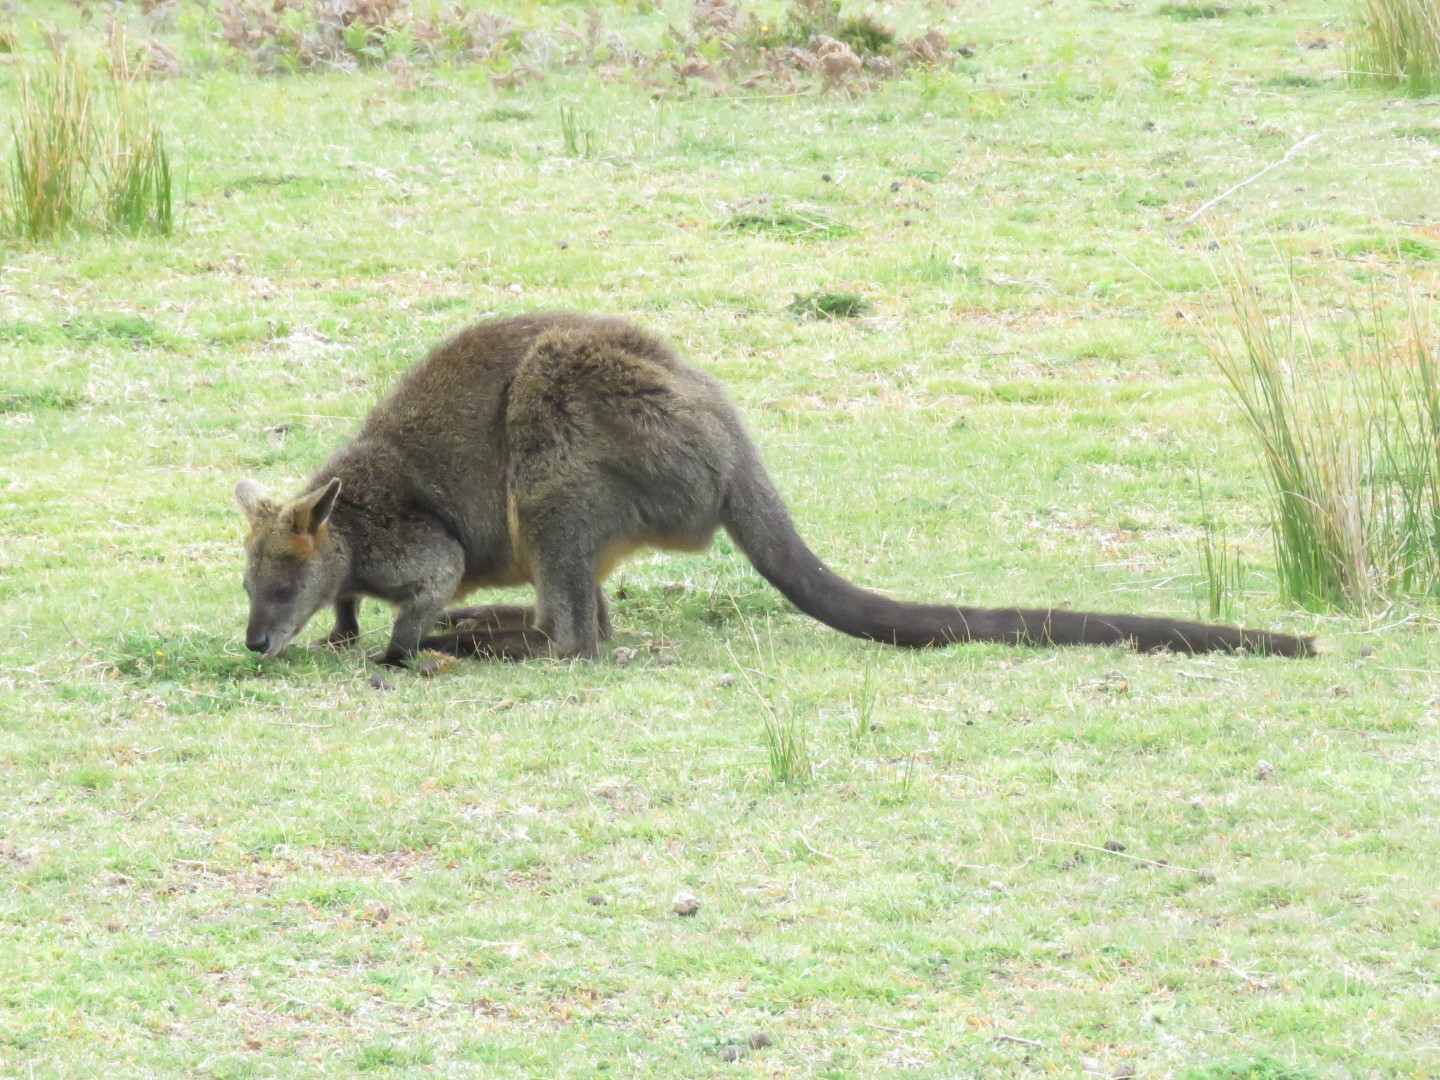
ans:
(566, 599)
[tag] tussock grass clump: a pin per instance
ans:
(1345, 409)
(1395, 43)
(787, 749)
(578, 137)
(1221, 565)
(85, 155)
(54, 150)
(138, 185)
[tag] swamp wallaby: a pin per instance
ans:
(546, 449)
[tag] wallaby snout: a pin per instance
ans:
(257, 640)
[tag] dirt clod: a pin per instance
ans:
(1113, 845)
(376, 911)
(1263, 769)
(623, 656)
(686, 903)
(595, 901)
(379, 683)
(732, 1052)
(760, 1040)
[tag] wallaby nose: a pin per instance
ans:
(257, 642)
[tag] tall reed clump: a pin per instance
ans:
(1395, 43)
(138, 184)
(85, 155)
(54, 150)
(1345, 409)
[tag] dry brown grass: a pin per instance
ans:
(723, 42)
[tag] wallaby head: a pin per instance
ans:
(293, 566)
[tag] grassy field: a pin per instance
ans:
(214, 867)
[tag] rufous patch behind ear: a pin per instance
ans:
(251, 496)
(310, 511)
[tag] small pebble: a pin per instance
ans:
(428, 670)
(1207, 876)
(826, 177)
(1263, 769)
(728, 679)
(686, 903)
(595, 901)
(733, 1052)
(377, 683)
(894, 185)
(1123, 1072)
(1113, 845)
(760, 1040)
(666, 659)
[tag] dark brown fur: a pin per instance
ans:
(546, 449)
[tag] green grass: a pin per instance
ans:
(210, 866)
(1394, 43)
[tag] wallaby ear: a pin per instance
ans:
(251, 496)
(311, 510)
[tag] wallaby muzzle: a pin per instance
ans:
(268, 643)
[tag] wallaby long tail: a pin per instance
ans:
(756, 519)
